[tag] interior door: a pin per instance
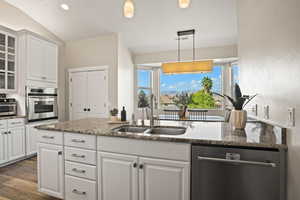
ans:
(3, 146)
(16, 143)
(163, 179)
(117, 176)
(97, 94)
(78, 87)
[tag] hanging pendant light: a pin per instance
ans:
(128, 9)
(184, 3)
(179, 67)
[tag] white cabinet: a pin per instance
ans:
(31, 140)
(8, 57)
(51, 170)
(41, 59)
(88, 94)
(152, 179)
(16, 143)
(163, 179)
(3, 146)
(118, 176)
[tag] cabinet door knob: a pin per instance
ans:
(141, 166)
(60, 153)
(134, 165)
(89, 109)
(84, 109)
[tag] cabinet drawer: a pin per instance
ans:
(81, 141)
(11, 123)
(80, 155)
(80, 170)
(50, 137)
(3, 124)
(80, 189)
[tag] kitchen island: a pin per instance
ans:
(89, 159)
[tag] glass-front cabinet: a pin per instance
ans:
(8, 57)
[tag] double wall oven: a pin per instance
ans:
(41, 104)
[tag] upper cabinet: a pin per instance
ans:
(8, 57)
(41, 60)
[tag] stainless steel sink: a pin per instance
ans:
(130, 129)
(166, 131)
(158, 130)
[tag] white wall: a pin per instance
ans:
(15, 19)
(269, 51)
(201, 54)
(97, 51)
(125, 79)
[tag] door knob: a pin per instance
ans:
(141, 166)
(88, 109)
(84, 109)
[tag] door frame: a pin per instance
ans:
(85, 69)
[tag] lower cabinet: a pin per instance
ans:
(51, 170)
(141, 178)
(31, 140)
(3, 146)
(80, 189)
(16, 143)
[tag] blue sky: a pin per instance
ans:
(183, 82)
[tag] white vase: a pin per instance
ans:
(238, 119)
(113, 118)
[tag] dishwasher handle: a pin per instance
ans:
(264, 164)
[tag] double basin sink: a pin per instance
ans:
(156, 130)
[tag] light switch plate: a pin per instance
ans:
(291, 117)
(266, 112)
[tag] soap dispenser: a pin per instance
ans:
(123, 114)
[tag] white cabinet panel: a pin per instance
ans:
(163, 179)
(80, 141)
(51, 170)
(80, 189)
(3, 146)
(80, 170)
(35, 58)
(31, 140)
(118, 176)
(80, 155)
(51, 60)
(16, 143)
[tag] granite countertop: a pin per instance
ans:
(12, 117)
(256, 134)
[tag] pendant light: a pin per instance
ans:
(184, 3)
(128, 9)
(187, 67)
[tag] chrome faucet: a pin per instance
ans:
(152, 101)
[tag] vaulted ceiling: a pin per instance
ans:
(152, 29)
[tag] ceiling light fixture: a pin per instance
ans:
(64, 6)
(184, 3)
(128, 9)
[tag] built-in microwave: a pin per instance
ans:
(41, 104)
(8, 107)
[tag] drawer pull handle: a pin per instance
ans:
(78, 170)
(48, 137)
(78, 192)
(16, 123)
(78, 156)
(78, 141)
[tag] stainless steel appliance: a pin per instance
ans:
(41, 104)
(237, 174)
(8, 107)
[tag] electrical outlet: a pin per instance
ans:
(254, 109)
(266, 112)
(291, 116)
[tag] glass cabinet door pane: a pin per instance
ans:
(11, 57)
(11, 66)
(11, 45)
(10, 81)
(2, 64)
(2, 80)
(2, 42)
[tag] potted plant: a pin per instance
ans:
(182, 101)
(238, 116)
(113, 114)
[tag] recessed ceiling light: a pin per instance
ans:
(64, 6)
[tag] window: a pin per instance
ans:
(144, 87)
(200, 87)
(235, 72)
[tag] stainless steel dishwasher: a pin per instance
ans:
(222, 173)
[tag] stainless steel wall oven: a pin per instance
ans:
(41, 104)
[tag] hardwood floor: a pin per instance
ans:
(19, 182)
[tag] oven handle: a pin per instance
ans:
(265, 164)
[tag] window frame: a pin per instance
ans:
(137, 87)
